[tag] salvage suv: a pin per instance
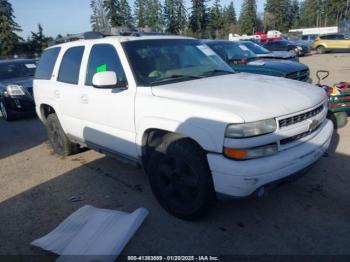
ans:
(170, 104)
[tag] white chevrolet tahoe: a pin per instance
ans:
(173, 106)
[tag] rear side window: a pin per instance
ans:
(104, 57)
(47, 63)
(70, 65)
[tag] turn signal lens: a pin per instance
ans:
(235, 153)
(251, 153)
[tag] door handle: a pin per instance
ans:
(56, 93)
(84, 99)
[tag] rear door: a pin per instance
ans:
(67, 91)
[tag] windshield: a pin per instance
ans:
(232, 52)
(17, 70)
(162, 61)
(257, 49)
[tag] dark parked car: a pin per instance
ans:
(285, 45)
(16, 87)
(242, 59)
(262, 52)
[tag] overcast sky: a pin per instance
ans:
(68, 16)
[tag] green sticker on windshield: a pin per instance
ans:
(101, 68)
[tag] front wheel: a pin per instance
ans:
(58, 139)
(321, 50)
(6, 114)
(180, 178)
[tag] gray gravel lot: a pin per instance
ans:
(309, 216)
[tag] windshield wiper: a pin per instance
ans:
(218, 71)
(174, 77)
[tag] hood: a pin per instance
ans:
(280, 68)
(248, 96)
(25, 82)
(278, 54)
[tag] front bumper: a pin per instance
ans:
(243, 178)
(17, 105)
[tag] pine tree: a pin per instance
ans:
(199, 17)
(112, 8)
(139, 13)
(216, 22)
(8, 29)
(38, 41)
(98, 19)
(248, 19)
(277, 15)
(230, 14)
(175, 16)
(154, 15)
(126, 18)
(295, 13)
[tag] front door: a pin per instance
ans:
(109, 116)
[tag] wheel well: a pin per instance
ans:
(46, 110)
(153, 138)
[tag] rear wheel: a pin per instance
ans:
(180, 178)
(6, 114)
(58, 139)
(321, 50)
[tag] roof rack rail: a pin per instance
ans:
(99, 35)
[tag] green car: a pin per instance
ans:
(242, 59)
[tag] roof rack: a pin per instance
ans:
(99, 35)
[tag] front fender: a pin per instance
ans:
(193, 128)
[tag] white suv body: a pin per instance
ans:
(207, 110)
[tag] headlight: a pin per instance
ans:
(251, 129)
(299, 48)
(15, 90)
(251, 153)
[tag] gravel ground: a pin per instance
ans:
(308, 217)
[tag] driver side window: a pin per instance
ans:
(104, 57)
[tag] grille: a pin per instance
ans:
(297, 137)
(300, 118)
(300, 75)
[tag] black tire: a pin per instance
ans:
(321, 50)
(6, 114)
(180, 178)
(58, 139)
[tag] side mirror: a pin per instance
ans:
(106, 79)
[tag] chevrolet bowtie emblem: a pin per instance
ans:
(313, 124)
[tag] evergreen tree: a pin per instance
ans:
(295, 13)
(230, 14)
(112, 8)
(175, 16)
(216, 22)
(38, 41)
(248, 19)
(139, 13)
(98, 19)
(126, 18)
(278, 15)
(8, 29)
(154, 15)
(199, 17)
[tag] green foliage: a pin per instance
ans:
(126, 18)
(112, 8)
(175, 16)
(248, 19)
(38, 41)
(230, 14)
(8, 29)
(139, 13)
(315, 13)
(278, 15)
(199, 17)
(98, 19)
(216, 20)
(154, 15)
